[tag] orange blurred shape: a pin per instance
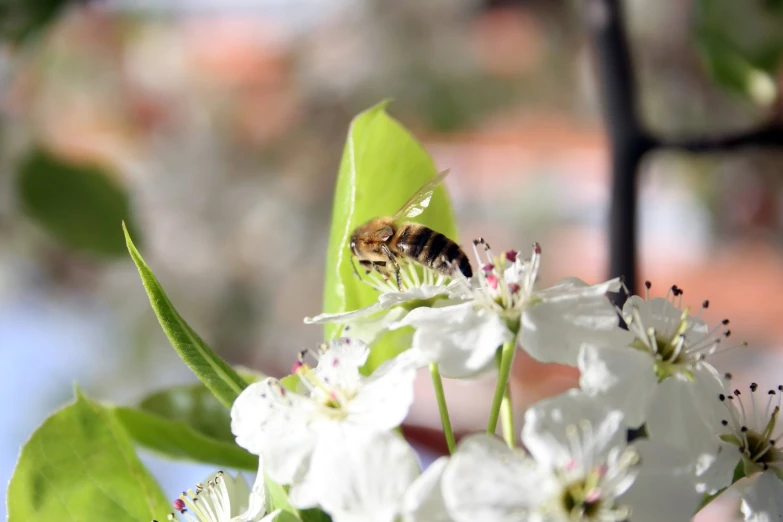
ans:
(267, 114)
(532, 381)
(233, 51)
(91, 137)
(507, 41)
(740, 280)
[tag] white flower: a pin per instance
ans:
(222, 498)
(502, 303)
(423, 501)
(579, 469)
(485, 480)
(582, 445)
(376, 478)
(763, 500)
(419, 288)
(753, 429)
(663, 489)
(366, 480)
(290, 430)
(656, 373)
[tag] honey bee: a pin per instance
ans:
(383, 243)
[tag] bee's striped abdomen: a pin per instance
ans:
(432, 249)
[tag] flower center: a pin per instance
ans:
(331, 396)
(670, 355)
(760, 449)
(582, 500)
(503, 284)
(590, 483)
(411, 276)
(675, 340)
(753, 431)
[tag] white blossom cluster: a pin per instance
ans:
(645, 369)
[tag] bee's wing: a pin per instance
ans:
(421, 199)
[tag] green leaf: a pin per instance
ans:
(178, 440)
(381, 168)
(80, 466)
(79, 204)
(218, 376)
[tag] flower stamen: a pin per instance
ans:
(206, 504)
(754, 431)
(676, 339)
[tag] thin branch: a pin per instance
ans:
(770, 135)
(628, 140)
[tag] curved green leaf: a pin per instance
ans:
(381, 168)
(218, 376)
(179, 440)
(79, 204)
(80, 466)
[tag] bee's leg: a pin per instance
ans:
(380, 268)
(355, 271)
(394, 263)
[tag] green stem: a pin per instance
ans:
(506, 358)
(437, 383)
(507, 418)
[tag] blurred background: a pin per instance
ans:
(215, 128)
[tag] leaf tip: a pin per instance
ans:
(379, 107)
(78, 394)
(129, 242)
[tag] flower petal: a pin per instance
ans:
(424, 501)
(549, 421)
(621, 378)
(345, 317)
(659, 313)
(686, 414)
(715, 472)
(461, 339)
(385, 397)
(487, 481)
(271, 422)
(365, 478)
(665, 476)
(254, 500)
(369, 330)
(416, 293)
(570, 286)
(568, 314)
(763, 500)
(339, 365)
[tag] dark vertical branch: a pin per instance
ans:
(628, 141)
